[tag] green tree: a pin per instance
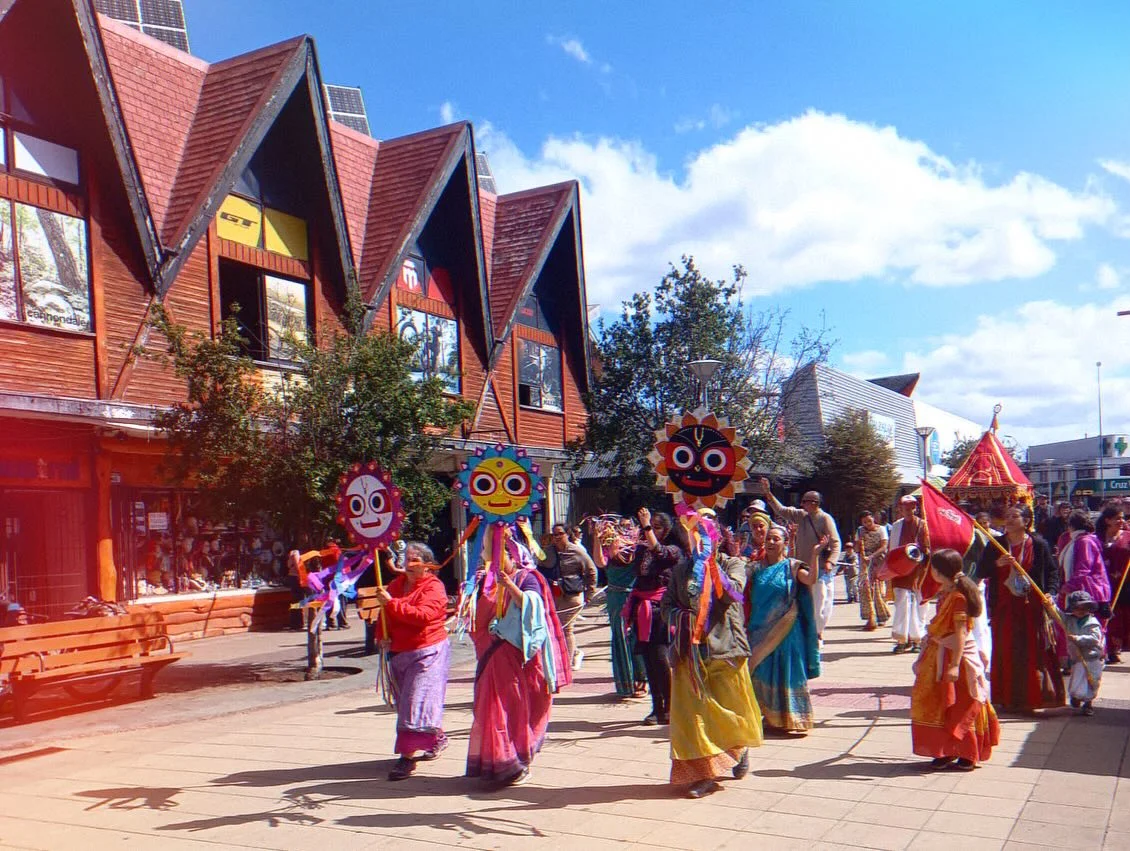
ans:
(277, 447)
(642, 378)
(855, 468)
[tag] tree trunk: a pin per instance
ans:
(61, 250)
(315, 617)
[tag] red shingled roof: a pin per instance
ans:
(488, 204)
(186, 118)
(407, 170)
(521, 235)
(989, 470)
(355, 156)
(158, 88)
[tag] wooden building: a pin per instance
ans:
(134, 174)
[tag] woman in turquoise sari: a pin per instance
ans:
(784, 653)
(612, 548)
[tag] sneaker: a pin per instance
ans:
(900, 648)
(940, 762)
(1076, 703)
(703, 788)
(963, 764)
(578, 659)
(434, 753)
(651, 720)
(1088, 710)
(403, 768)
(742, 768)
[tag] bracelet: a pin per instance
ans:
(645, 528)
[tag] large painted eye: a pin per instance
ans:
(483, 484)
(377, 501)
(714, 460)
(683, 457)
(357, 505)
(516, 484)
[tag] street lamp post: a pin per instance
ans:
(924, 432)
(703, 369)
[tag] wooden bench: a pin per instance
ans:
(70, 652)
(369, 610)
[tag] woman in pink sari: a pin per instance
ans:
(522, 663)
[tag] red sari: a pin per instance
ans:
(951, 719)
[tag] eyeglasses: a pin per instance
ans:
(809, 502)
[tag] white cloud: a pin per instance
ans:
(1107, 277)
(1038, 362)
(815, 198)
(717, 117)
(866, 364)
(1117, 167)
(447, 112)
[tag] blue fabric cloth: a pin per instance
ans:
(780, 679)
(527, 628)
(627, 666)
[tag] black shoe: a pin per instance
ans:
(403, 768)
(940, 762)
(663, 719)
(1088, 710)
(742, 768)
(651, 720)
(703, 788)
(964, 764)
(1076, 703)
(900, 648)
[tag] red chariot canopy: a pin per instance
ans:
(989, 472)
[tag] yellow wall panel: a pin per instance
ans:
(285, 234)
(240, 221)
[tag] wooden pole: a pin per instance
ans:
(381, 585)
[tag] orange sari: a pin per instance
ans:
(951, 719)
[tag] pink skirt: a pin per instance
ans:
(511, 712)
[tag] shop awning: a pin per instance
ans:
(1098, 487)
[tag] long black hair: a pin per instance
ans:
(1108, 514)
(948, 563)
(1080, 520)
(676, 534)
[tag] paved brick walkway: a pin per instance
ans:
(308, 771)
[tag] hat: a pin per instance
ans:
(1080, 600)
(908, 500)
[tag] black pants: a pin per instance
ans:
(658, 675)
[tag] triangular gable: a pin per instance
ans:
(528, 226)
(989, 465)
(411, 175)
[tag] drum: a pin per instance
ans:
(901, 561)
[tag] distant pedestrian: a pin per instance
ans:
(572, 576)
(951, 718)
(909, 623)
(1084, 649)
(848, 565)
(872, 551)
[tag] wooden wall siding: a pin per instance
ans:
(404, 298)
(42, 195)
(536, 334)
(576, 416)
(490, 424)
(541, 428)
(268, 260)
(504, 378)
(46, 361)
(189, 303)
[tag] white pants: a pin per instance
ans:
(908, 623)
(981, 633)
(824, 597)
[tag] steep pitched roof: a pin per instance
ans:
(526, 225)
(158, 87)
(989, 468)
(232, 98)
(901, 384)
(356, 158)
(488, 205)
(410, 173)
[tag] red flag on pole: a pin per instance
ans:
(949, 526)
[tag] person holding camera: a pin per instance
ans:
(572, 575)
(812, 524)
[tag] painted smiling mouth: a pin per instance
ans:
(498, 504)
(371, 525)
(698, 483)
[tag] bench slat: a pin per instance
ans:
(78, 627)
(58, 661)
(152, 634)
(109, 667)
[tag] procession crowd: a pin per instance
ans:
(723, 628)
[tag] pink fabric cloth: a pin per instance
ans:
(511, 702)
(642, 601)
(1088, 572)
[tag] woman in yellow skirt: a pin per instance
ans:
(714, 715)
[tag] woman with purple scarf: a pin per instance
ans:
(415, 608)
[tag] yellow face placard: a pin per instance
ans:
(240, 221)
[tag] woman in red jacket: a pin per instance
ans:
(415, 607)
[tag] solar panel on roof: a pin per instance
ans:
(486, 176)
(163, 19)
(348, 107)
(163, 13)
(121, 10)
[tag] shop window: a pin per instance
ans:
(539, 376)
(272, 311)
(44, 278)
(437, 342)
(417, 276)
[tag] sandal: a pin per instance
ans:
(703, 788)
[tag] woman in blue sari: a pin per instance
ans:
(612, 549)
(784, 653)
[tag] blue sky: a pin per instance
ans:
(948, 185)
